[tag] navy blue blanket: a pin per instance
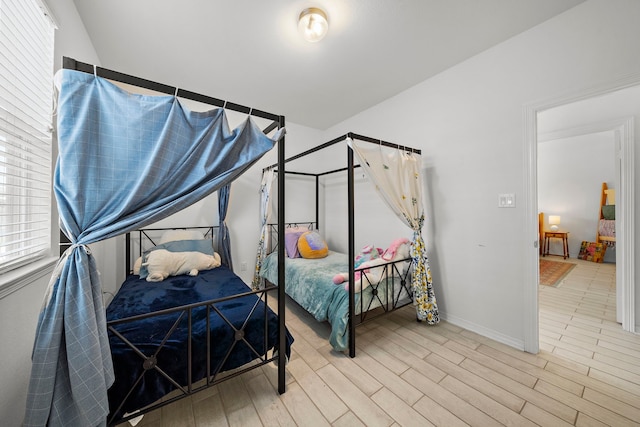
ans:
(137, 296)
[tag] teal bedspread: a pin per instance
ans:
(309, 282)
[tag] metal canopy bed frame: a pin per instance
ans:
(278, 356)
(390, 269)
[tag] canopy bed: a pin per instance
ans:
(184, 333)
(125, 162)
(379, 286)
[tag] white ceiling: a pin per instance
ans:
(249, 51)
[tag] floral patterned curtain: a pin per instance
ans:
(265, 213)
(396, 175)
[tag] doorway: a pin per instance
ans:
(622, 125)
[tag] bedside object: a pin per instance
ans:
(554, 222)
(564, 235)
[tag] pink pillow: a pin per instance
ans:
(291, 236)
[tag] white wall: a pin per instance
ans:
(468, 121)
(570, 176)
(243, 217)
(18, 316)
(375, 222)
(19, 310)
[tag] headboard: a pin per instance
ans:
(138, 241)
(272, 232)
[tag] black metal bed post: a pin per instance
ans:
(282, 336)
(317, 202)
(352, 254)
(127, 253)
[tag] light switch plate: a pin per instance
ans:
(507, 200)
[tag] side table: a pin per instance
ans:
(564, 235)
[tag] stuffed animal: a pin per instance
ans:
(398, 250)
(161, 264)
(137, 265)
(367, 253)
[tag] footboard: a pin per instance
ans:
(391, 292)
(186, 349)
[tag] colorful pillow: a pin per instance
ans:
(291, 236)
(312, 245)
(592, 251)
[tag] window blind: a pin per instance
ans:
(26, 99)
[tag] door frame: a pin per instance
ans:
(624, 213)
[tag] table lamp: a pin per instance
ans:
(554, 222)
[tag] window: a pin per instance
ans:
(26, 105)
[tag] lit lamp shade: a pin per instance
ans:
(554, 222)
(313, 24)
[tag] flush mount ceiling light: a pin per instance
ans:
(313, 24)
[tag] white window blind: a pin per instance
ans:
(26, 94)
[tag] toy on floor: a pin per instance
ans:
(373, 271)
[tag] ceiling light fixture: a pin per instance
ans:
(313, 24)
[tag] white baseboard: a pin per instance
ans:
(489, 333)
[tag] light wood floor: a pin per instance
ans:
(410, 374)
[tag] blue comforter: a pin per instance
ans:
(137, 296)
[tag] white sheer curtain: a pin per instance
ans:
(396, 175)
(265, 214)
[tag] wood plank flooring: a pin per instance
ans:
(408, 374)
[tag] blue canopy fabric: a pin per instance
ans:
(224, 240)
(125, 161)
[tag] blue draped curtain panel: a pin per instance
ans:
(125, 161)
(224, 240)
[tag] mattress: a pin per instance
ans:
(309, 282)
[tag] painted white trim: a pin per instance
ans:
(48, 13)
(531, 271)
(530, 282)
(595, 127)
(625, 270)
(14, 280)
(481, 330)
